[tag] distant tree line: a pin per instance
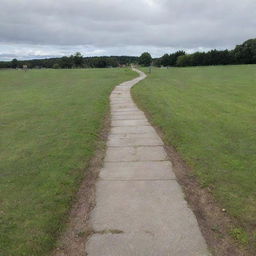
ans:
(242, 54)
(72, 61)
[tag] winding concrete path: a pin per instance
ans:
(140, 208)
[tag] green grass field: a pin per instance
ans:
(209, 115)
(50, 121)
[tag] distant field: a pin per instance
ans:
(209, 115)
(49, 125)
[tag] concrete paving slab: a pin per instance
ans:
(117, 100)
(119, 97)
(151, 212)
(129, 117)
(132, 129)
(133, 244)
(130, 113)
(140, 153)
(121, 91)
(122, 98)
(134, 141)
(129, 122)
(122, 88)
(123, 94)
(117, 103)
(137, 171)
(127, 113)
(145, 135)
(117, 92)
(113, 109)
(118, 106)
(121, 101)
(121, 107)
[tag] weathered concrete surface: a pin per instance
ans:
(128, 117)
(137, 171)
(136, 153)
(131, 140)
(132, 130)
(140, 208)
(129, 122)
(123, 109)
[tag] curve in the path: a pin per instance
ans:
(140, 208)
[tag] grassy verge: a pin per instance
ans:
(208, 115)
(50, 122)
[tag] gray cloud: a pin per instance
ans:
(122, 27)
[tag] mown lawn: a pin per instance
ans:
(209, 115)
(50, 121)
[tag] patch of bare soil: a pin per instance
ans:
(73, 241)
(214, 222)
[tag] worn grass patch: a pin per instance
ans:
(208, 114)
(50, 122)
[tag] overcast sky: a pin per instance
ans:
(46, 28)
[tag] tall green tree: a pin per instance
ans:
(145, 59)
(78, 59)
(246, 52)
(174, 56)
(14, 63)
(184, 60)
(165, 60)
(66, 62)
